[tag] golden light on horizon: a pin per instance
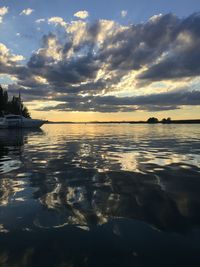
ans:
(58, 116)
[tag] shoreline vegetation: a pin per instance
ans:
(13, 106)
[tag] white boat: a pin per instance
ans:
(19, 121)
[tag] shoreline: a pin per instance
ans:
(195, 121)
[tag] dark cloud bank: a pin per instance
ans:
(164, 48)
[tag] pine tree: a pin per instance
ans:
(3, 100)
(15, 106)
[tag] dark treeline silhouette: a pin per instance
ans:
(155, 120)
(168, 120)
(13, 106)
(152, 120)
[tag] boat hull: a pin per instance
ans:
(23, 123)
(32, 124)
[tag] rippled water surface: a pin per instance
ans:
(100, 195)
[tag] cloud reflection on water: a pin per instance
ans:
(76, 176)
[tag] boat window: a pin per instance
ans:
(13, 118)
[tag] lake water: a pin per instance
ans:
(100, 195)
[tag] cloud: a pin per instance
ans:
(154, 102)
(27, 12)
(155, 18)
(138, 46)
(88, 65)
(182, 58)
(57, 21)
(83, 14)
(6, 57)
(3, 12)
(124, 13)
(40, 20)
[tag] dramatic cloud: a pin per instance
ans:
(154, 102)
(7, 59)
(27, 12)
(3, 12)
(10, 66)
(107, 67)
(83, 14)
(124, 13)
(182, 58)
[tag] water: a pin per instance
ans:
(100, 195)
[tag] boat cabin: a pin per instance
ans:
(13, 117)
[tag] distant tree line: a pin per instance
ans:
(155, 120)
(13, 106)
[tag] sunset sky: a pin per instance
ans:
(102, 60)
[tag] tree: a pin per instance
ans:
(152, 120)
(168, 120)
(15, 106)
(3, 100)
(26, 113)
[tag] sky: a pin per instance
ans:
(102, 60)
